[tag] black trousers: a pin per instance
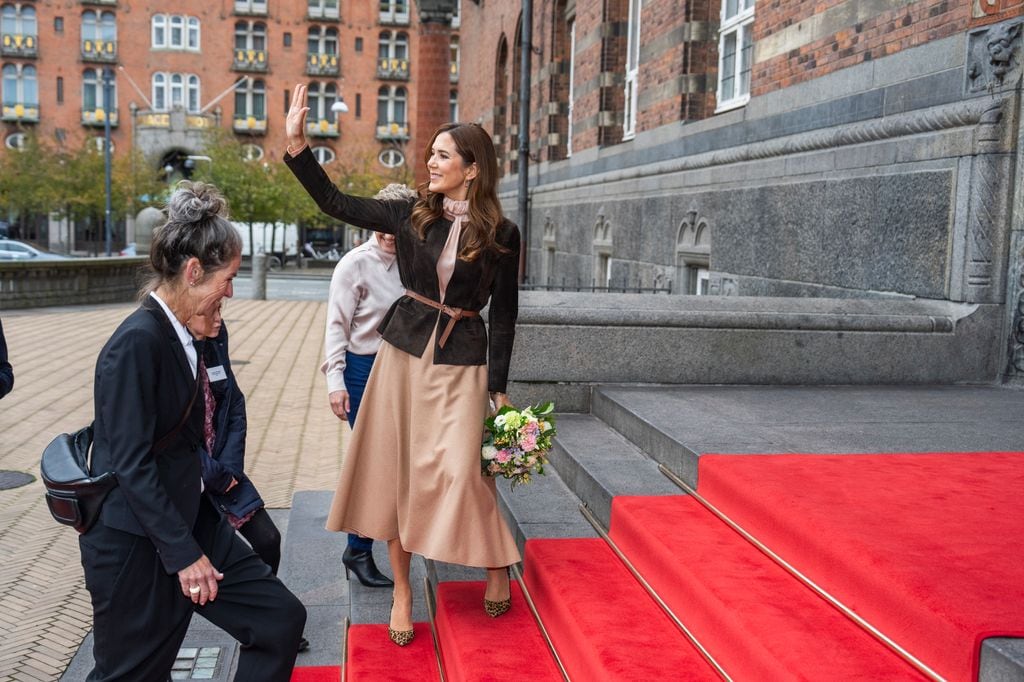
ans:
(140, 615)
(264, 537)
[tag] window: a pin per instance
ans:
(325, 9)
(99, 27)
(15, 141)
(457, 14)
(92, 91)
(359, 44)
(693, 255)
(251, 6)
(320, 99)
(453, 105)
(394, 11)
(20, 85)
(572, 86)
(175, 32)
(287, 39)
(58, 24)
(175, 90)
(252, 152)
(391, 158)
(735, 50)
(393, 46)
(251, 36)
(453, 59)
(20, 20)
(323, 41)
(60, 89)
(359, 105)
(632, 69)
(324, 155)
(287, 101)
(251, 100)
(391, 102)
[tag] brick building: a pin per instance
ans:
(181, 69)
(825, 148)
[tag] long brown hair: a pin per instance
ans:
(474, 145)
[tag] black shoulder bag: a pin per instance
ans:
(73, 495)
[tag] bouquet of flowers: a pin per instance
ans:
(516, 442)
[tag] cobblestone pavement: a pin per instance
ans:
(294, 443)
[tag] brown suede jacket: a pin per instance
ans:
(409, 324)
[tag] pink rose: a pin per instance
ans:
(503, 456)
(528, 443)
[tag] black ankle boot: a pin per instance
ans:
(360, 562)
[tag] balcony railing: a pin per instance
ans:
(19, 45)
(393, 131)
(322, 13)
(394, 18)
(322, 64)
(250, 60)
(250, 125)
(251, 9)
(95, 117)
(24, 113)
(322, 128)
(393, 69)
(99, 50)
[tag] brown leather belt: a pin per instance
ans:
(454, 314)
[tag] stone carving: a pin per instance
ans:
(694, 235)
(988, 208)
(550, 230)
(602, 230)
(956, 115)
(994, 57)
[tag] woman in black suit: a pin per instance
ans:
(411, 474)
(160, 550)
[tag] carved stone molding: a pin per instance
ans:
(550, 230)
(693, 239)
(602, 232)
(956, 115)
(994, 61)
(1016, 367)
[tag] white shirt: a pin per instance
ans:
(183, 335)
(364, 285)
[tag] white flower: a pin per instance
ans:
(488, 452)
(546, 426)
(499, 421)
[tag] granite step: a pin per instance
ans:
(597, 463)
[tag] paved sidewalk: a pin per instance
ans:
(294, 443)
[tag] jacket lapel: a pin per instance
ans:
(168, 329)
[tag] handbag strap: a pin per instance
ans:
(162, 444)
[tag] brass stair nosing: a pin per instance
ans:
(795, 572)
(540, 623)
(428, 597)
(589, 516)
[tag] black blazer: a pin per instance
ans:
(143, 384)
(6, 372)
(227, 460)
(409, 323)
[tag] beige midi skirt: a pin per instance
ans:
(412, 469)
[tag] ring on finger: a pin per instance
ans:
(195, 589)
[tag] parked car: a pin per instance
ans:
(11, 249)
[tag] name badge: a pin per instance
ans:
(216, 373)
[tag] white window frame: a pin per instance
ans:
(252, 152)
(323, 9)
(453, 105)
(390, 96)
(390, 43)
(396, 11)
(251, 6)
(391, 157)
(171, 89)
(632, 69)
(163, 28)
(324, 155)
(253, 34)
(248, 94)
(92, 79)
(457, 15)
(454, 56)
(22, 20)
(319, 98)
(741, 25)
(322, 41)
(23, 75)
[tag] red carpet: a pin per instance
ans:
(478, 648)
(926, 547)
(603, 623)
(327, 673)
(372, 657)
(753, 617)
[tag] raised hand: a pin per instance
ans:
(295, 122)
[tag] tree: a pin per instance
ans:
(27, 186)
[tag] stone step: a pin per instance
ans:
(597, 463)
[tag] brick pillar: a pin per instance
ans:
(430, 71)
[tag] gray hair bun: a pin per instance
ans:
(194, 202)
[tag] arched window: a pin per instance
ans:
(323, 154)
(90, 26)
(169, 90)
(20, 85)
(501, 100)
(92, 91)
(250, 36)
(175, 32)
(323, 41)
(251, 100)
(159, 91)
(321, 97)
(159, 30)
(391, 106)
(453, 105)
(19, 20)
(193, 94)
(631, 97)
(192, 40)
(393, 45)
(453, 59)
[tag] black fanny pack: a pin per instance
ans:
(73, 496)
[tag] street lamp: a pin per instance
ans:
(339, 107)
(108, 87)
